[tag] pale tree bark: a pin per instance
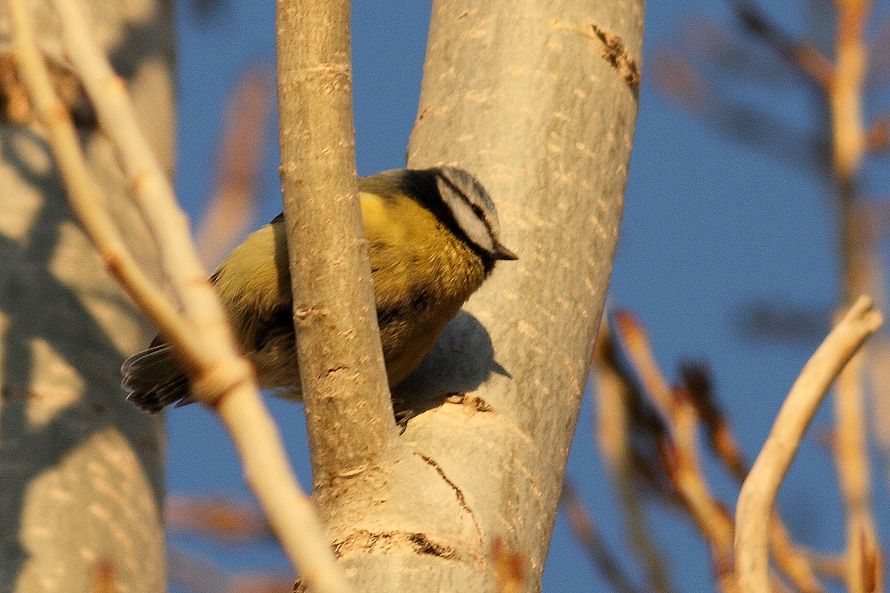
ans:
(349, 417)
(539, 100)
(81, 474)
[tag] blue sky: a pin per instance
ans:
(710, 227)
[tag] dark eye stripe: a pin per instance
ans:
(477, 210)
(485, 218)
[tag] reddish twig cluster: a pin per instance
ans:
(659, 426)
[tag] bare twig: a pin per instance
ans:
(878, 135)
(849, 144)
(790, 558)
(613, 431)
(755, 502)
(82, 190)
(831, 565)
(685, 408)
(589, 537)
(710, 516)
(863, 571)
(215, 365)
(291, 513)
(636, 344)
(841, 84)
(879, 362)
(801, 54)
(739, 119)
(219, 518)
(696, 380)
(201, 337)
(784, 321)
(231, 208)
(681, 451)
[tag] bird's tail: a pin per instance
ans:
(154, 380)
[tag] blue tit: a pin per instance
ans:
(433, 238)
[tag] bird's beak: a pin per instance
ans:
(502, 252)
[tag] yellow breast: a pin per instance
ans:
(422, 275)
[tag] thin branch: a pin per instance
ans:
(790, 558)
(710, 516)
(879, 362)
(879, 56)
(755, 502)
(613, 432)
(348, 409)
(82, 189)
(588, 535)
(681, 450)
(153, 194)
(848, 136)
(853, 472)
(809, 60)
(849, 145)
(729, 56)
(291, 513)
(736, 118)
(636, 344)
(256, 438)
(683, 409)
(214, 363)
(231, 209)
(219, 518)
(877, 137)
(832, 566)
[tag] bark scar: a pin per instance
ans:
(334, 370)
(617, 56)
(363, 541)
(477, 404)
(458, 493)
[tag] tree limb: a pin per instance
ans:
(348, 410)
(755, 502)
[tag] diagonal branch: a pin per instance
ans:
(588, 536)
(614, 415)
(153, 194)
(231, 209)
(755, 502)
(806, 57)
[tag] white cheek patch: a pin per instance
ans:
(472, 225)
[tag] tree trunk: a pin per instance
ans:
(539, 100)
(81, 470)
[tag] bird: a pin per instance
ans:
(433, 238)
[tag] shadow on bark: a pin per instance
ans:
(39, 308)
(461, 360)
